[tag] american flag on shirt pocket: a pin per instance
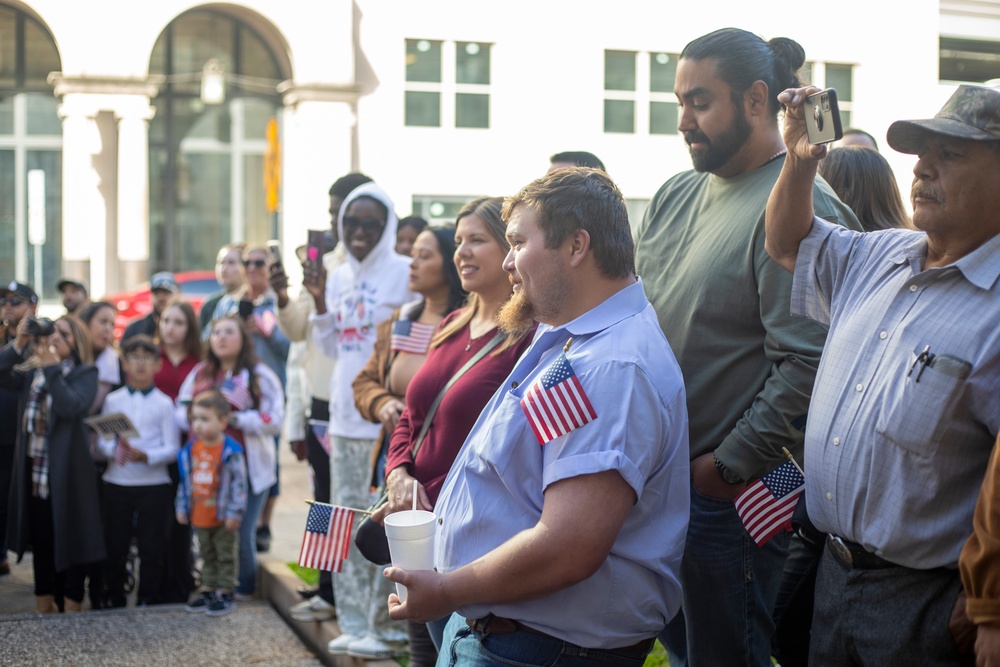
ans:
(556, 404)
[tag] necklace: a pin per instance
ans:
(473, 339)
(778, 154)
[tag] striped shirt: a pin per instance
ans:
(894, 459)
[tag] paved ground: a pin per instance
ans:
(255, 634)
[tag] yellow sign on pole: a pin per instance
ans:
(272, 167)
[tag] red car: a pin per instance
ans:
(196, 287)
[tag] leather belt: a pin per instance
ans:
(497, 625)
(853, 556)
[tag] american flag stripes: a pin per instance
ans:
(321, 429)
(236, 392)
(410, 336)
(121, 452)
(766, 506)
(266, 321)
(556, 403)
(327, 537)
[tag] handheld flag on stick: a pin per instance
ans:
(327, 538)
(321, 429)
(767, 505)
(266, 321)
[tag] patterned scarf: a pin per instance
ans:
(36, 428)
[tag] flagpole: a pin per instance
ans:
(357, 511)
(794, 463)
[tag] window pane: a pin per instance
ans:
(255, 57)
(423, 60)
(8, 47)
(619, 116)
(256, 114)
(438, 209)
(839, 77)
(472, 110)
(7, 115)
(51, 163)
(7, 214)
(662, 118)
(972, 60)
(472, 62)
(423, 109)
(258, 220)
(40, 55)
(619, 70)
(662, 72)
(42, 117)
(203, 213)
(198, 37)
(845, 119)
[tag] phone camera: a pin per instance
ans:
(818, 117)
(40, 327)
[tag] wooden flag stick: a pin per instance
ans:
(792, 459)
(566, 347)
(357, 511)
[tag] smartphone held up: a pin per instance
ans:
(822, 117)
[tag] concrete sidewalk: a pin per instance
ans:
(258, 632)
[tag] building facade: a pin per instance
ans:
(134, 138)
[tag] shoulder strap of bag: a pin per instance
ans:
(454, 378)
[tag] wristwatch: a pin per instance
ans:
(727, 475)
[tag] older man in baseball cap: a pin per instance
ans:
(904, 411)
(162, 288)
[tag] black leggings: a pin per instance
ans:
(47, 580)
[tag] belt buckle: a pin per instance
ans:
(841, 551)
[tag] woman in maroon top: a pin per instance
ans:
(480, 248)
(180, 347)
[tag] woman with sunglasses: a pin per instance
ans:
(258, 410)
(55, 507)
(271, 346)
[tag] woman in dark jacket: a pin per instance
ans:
(54, 509)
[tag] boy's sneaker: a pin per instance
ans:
(222, 605)
(371, 648)
(202, 602)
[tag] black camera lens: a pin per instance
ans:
(41, 327)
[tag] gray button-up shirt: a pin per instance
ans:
(895, 457)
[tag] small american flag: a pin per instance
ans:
(327, 537)
(121, 452)
(265, 320)
(321, 430)
(236, 392)
(410, 336)
(555, 403)
(767, 505)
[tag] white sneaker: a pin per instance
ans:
(313, 609)
(371, 648)
(338, 645)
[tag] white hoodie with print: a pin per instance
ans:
(359, 296)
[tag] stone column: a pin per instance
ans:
(83, 228)
(133, 190)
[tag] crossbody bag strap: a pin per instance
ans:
(454, 378)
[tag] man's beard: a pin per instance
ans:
(516, 315)
(722, 148)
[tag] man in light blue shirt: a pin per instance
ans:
(904, 413)
(563, 519)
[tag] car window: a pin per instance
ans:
(204, 286)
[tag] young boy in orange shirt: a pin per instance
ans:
(212, 496)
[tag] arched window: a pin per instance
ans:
(30, 154)
(206, 158)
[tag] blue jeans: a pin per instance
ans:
(463, 646)
(248, 542)
(730, 585)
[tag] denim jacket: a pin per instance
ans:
(232, 493)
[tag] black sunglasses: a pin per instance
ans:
(369, 226)
(12, 301)
(259, 263)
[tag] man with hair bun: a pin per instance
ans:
(723, 304)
